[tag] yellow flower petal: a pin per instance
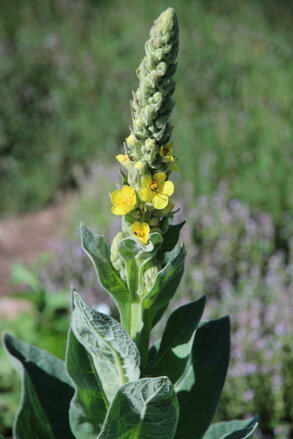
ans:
(128, 191)
(118, 210)
(167, 188)
(146, 181)
(160, 201)
(124, 200)
(115, 196)
(145, 194)
(141, 231)
(159, 177)
(166, 152)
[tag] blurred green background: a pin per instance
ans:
(68, 68)
(66, 73)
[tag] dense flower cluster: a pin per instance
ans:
(149, 158)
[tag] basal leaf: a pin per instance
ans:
(232, 430)
(46, 392)
(176, 341)
(115, 356)
(146, 409)
(96, 248)
(200, 386)
(89, 404)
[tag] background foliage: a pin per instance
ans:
(68, 72)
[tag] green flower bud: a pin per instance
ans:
(152, 102)
(115, 257)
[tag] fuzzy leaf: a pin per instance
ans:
(232, 430)
(136, 256)
(128, 249)
(99, 253)
(176, 341)
(146, 409)
(115, 356)
(165, 284)
(200, 386)
(89, 404)
(46, 392)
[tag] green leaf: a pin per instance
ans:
(115, 356)
(165, 284)
(200, 386)
(171, 237)
(128, 249)
(21, 275)
(136, 257)
(89, 405)
(232, 430)
(176, 341)
(146, 409)
(46, 392)
(96, 248)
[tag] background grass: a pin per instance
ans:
(66, 78)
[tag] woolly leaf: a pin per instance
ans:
(89, 404)
(136, 255)
(146, 409)
(115, 356)
(232, 430)
(165, 284)
(99, 253)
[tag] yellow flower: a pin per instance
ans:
(166, 151)
(124, 200)
(141, 231)
(156, 190)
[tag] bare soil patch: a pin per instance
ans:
(23, 238)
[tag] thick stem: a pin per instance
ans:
(139, 330)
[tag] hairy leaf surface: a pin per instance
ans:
(115, 356)
(232, 430)
(89, 405)
(146, 409)
(99, 253)
(166, 283)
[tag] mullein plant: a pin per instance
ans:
(112, 384)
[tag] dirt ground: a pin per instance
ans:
(22, 239)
